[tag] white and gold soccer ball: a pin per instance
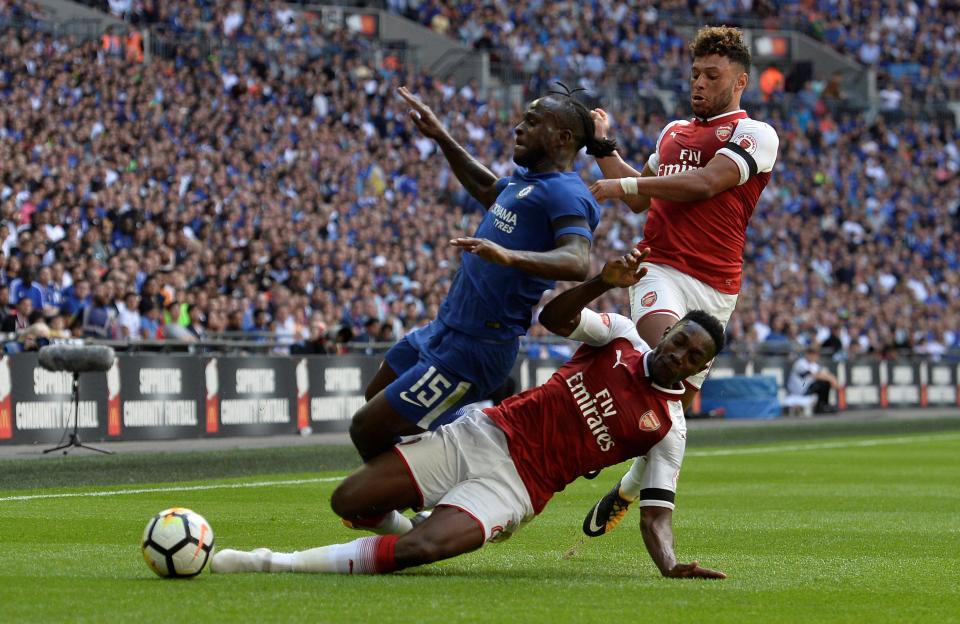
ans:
(177, 543)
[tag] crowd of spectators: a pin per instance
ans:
(275, 194)
(916, 44)
(285, 196)
(594, 41)
(20, 11)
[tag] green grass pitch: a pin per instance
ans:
(840, 530)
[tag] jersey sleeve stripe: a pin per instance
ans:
(739, 161)
(579, 231)
(653, 162)
(655, 503)
(742, 153)
(657, 494)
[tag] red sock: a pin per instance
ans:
(383, 559)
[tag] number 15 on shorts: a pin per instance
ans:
(433, 392)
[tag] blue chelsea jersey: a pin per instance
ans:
(495, 302)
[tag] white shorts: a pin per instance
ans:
(664, 289)
(466, 464)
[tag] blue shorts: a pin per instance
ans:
(439, 370)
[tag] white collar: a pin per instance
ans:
(646, 372)
(715, 117)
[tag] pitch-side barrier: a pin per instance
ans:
(170, 396)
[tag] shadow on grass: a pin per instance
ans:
(133, 468)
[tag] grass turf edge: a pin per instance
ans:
(170, 467)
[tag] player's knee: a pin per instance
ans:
(363, 427)
(358, 431)
(343, 501)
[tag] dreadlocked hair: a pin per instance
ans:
(709, 323)
(722, 41)
(575, 116)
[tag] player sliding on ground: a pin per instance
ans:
(493, 470)
(700, 186)
(537, 229)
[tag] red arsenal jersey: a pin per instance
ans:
(705, 239)
(601, 408)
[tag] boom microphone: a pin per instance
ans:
(76, 358)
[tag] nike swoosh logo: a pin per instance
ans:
(403, 395)
(594, 527)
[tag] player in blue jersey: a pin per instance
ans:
(537, 229)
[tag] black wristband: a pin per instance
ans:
(602, 148)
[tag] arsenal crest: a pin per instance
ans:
(724, 132)
(649, 421)
(648, 299)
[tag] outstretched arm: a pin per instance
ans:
(614, 167)
(561, 315)
(569, 260)
(720, 174)
(656, 524)
(751, 150)
(474, 176)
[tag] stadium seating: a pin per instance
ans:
(275, 187)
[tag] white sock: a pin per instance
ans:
(632, 483)
(356, 557)
(394, 524)
(229, 561)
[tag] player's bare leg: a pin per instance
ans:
(371, 498)
(652, 327)
(384, 377)
(382, 484)
(376, 426)
(446, 533)
(607, 513)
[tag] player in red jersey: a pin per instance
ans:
(700, 186)
(491, 471)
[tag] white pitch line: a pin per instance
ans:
(180, 488)
(824, 445)
(718, 453)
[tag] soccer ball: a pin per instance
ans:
(177, 542)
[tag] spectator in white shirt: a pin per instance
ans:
(808, 377)
(130, 316)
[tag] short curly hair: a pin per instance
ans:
(709, 323)
(723, 41)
